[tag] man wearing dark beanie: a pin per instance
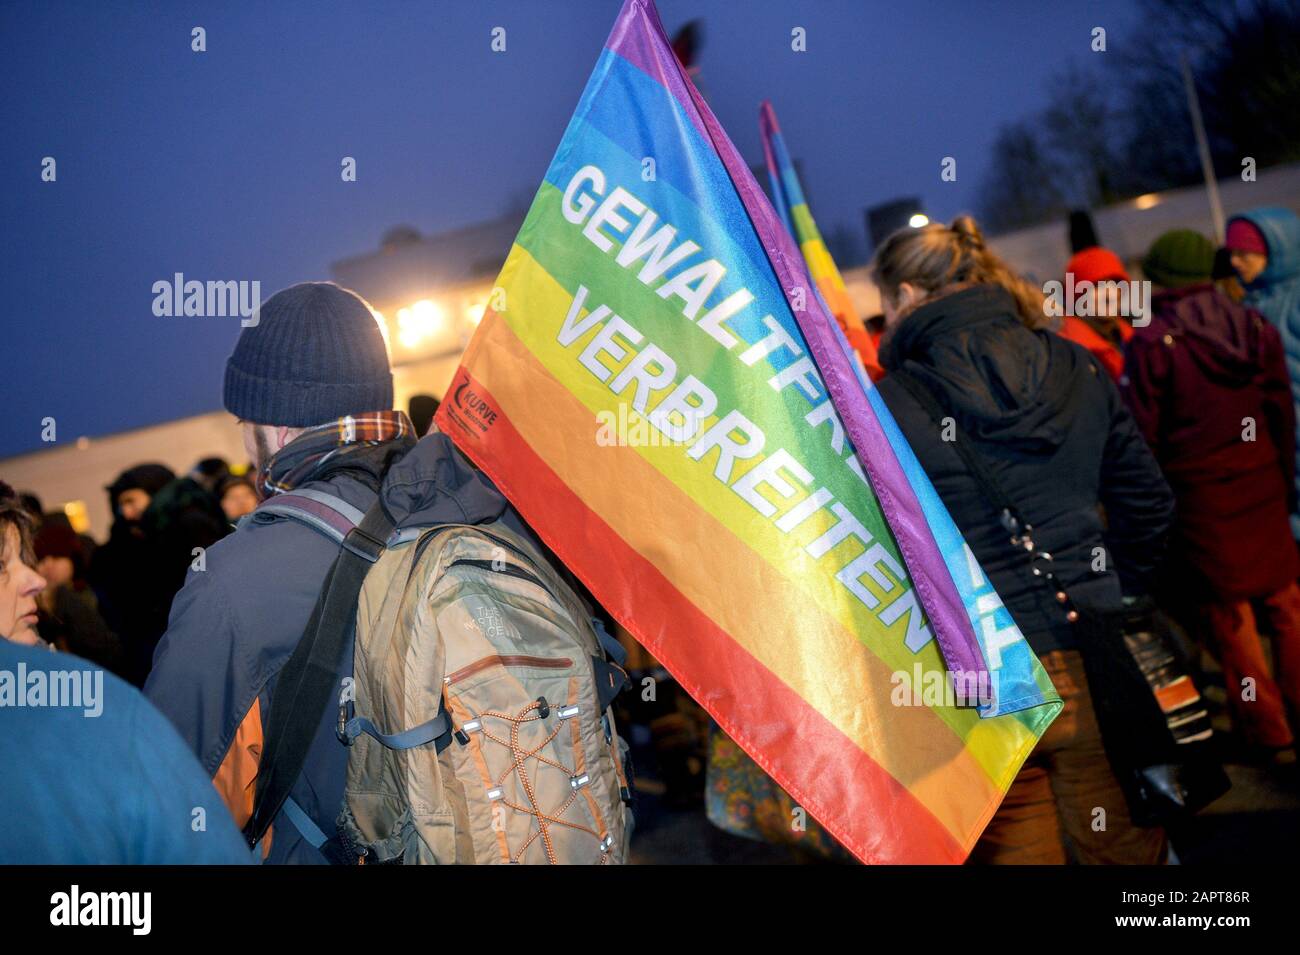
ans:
(312, 388)
(316, 357)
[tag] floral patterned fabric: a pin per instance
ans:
(743, 800)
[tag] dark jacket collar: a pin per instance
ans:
(436, 484)
(912, 337)
(1004, 382)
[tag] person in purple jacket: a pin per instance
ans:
(1208, 386)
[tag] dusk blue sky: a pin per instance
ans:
(225, 164)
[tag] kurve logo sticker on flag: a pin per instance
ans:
(652, 391)
(792, 207)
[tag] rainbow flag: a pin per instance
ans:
(792, 207)
(655, 391)
(1024, 683)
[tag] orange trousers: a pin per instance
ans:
(1257, 698)
(1067, 789)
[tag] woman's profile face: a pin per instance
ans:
(19, 585)
(1248, 264)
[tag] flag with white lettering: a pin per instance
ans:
(658, 389)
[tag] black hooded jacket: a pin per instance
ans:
(1052, 429)
(124, 574)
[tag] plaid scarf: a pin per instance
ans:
(296, 461)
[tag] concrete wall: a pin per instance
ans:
(1042, 252)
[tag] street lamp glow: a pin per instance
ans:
(918, 220)
(1147, 201)
(422, 320)
(474, 314)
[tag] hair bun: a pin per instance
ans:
(968, 231)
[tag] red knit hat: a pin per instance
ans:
(1096, 264)
(1244, 236)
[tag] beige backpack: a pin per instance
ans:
(478, 716)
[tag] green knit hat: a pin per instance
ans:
(1178, 258)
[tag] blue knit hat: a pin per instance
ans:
(316, 354)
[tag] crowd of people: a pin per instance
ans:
(1152, 458)
(1166, 448)
(108, 603)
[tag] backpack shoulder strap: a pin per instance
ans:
(319, 510)
(307, 682)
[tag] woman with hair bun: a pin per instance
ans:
(999, 410)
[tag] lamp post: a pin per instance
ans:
(1203, 146)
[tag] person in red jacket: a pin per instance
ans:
(1103, 335)
(1208, 386)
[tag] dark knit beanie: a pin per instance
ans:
(316, 354)
(57, 540)
(1178, 258)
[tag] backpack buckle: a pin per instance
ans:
(469, 726)
(364, 544)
